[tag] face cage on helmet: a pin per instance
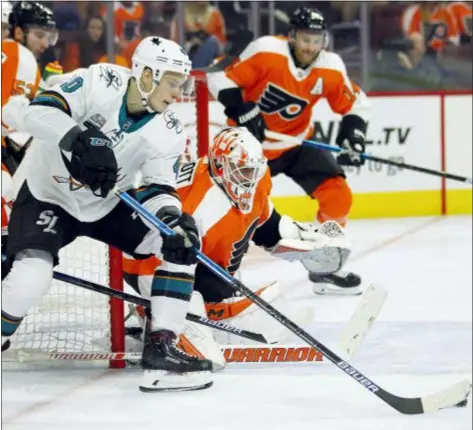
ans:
(238, 186)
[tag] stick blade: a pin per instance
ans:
(363, 318)
(447, 398)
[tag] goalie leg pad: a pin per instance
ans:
(197, 339)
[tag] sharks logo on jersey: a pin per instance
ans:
(112, 78)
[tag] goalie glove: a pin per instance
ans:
(322, 251)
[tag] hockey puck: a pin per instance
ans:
(462, 404)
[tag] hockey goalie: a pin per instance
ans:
(227, 193)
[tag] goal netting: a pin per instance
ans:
(71, 319)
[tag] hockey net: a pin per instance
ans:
(70, 319)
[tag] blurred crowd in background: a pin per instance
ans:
(410, 45)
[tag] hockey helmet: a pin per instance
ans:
(6, 10)
(160, 55)
(310, 19)
(27, 14)
(237, 164)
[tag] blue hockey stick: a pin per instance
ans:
(452, 396)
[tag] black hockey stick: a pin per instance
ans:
(236, 48)
(452, 396)
(218, 325)
(398, 164)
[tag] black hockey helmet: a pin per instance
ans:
(31, 13)
(305, 18)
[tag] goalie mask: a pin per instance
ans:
(237, 164)
(160, 55)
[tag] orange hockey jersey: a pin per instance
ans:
(225, 231)
(286, 94)
(127, 20)
(20, 77)
(462, 12)
(438, 28)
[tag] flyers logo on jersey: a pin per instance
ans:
(275, 99)
(239, 248)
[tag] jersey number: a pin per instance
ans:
(21, 88)
(72, 85)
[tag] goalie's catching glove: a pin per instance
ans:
(322, 251)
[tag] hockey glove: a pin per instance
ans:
(93, 161)
(179, 248)
(323, 250)
(248, 115)
(351, 138)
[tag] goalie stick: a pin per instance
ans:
(283, 137)
(350, 340)
(218, 325)
(454, 395)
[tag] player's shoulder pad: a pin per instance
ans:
(26, 56)
(27, 65)
(109, 75)
(265, 44)
(330, 60)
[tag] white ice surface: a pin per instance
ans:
(421, 342)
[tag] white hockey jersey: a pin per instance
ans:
(146, 149)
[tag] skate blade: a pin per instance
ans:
(158, 380)
(333, 290)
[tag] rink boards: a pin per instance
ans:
(432, 131)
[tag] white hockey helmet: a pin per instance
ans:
(160, 55)
(6, 10)
(237, 164)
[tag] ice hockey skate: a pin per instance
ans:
(338, 284)
(168, 368)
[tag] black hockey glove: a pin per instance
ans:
(179, 248)
(93, 161)
(248, 115)
(351, 138)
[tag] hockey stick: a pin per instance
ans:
(232, 354)
(352, 335)
(218, 325)
(320, 145)
(457, 394)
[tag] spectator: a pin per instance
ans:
(462, 14)
(88, 49)
(157, 16)
(147, 29)
(430, 27)
(204, 32)
(67, 15)
(127, 20)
